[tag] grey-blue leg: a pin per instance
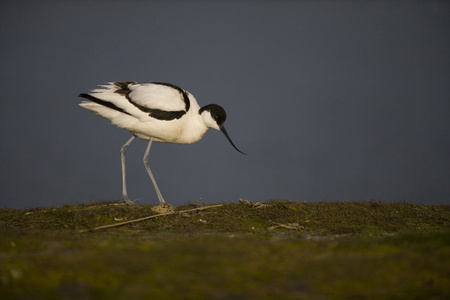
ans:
(147, 167)
(123, 150)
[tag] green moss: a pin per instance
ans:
(360, 250)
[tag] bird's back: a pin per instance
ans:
(160, 110)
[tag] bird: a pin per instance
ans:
(156, 112)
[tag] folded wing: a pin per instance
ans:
(162, 101)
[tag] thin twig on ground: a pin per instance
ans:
(148, 217)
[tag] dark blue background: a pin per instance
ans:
(332, 100)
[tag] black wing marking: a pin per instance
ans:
(124, 90)
(102, 102)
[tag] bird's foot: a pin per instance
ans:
(128, 201)
(164, 208)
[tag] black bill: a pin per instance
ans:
(222, 128)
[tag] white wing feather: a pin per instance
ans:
(107, 93)
(157, 96)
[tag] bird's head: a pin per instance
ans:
(214, 116)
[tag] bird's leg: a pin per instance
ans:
(145, 161)
(123, 150)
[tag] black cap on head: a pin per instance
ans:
(219, 115)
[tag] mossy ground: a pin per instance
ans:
(283, 250)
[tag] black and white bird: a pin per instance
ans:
(154, 111)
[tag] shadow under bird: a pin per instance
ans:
(154, 111)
